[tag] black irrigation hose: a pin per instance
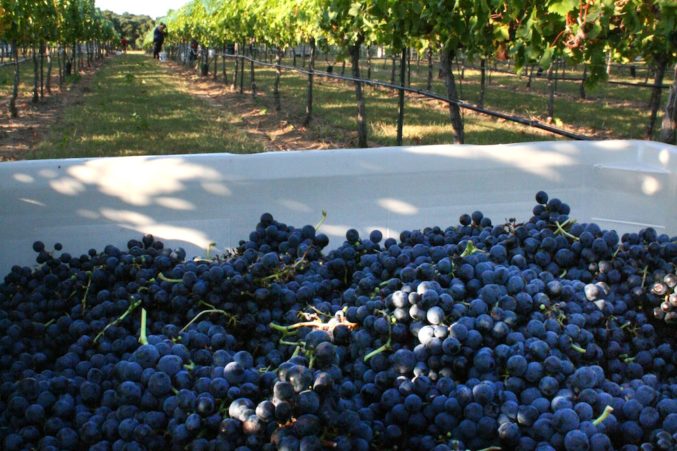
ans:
(11, 63)
(611, 82)
(428, 94)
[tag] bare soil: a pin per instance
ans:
(20, 135)
(277, 130)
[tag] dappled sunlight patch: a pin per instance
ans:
(398, 206)
(127, 179)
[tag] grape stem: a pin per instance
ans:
(388, 344)
(378, 350)
(385, 283)
(208, 305)
(560, 229)
(322, 219)
(205, 312)
(470, 249)
(645, 273)
(143, 338)
(618, 249)
(167, 279)
(317, 311)
(603, 416)
(84, 297)
(316, 324)
(285, 270)
(118, 320)
(577, 348)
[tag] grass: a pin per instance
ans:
(135, 106)
(26, 78)
(611, 111)
(334, 114)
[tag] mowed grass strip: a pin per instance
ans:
(334, 114)
(26, 79)
(611, 112)
(136, 106)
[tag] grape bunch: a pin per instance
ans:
(547, 334)
(664, 292)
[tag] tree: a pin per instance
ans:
(35, 24)
(130, 26)
(278, 29)
(16, 28)
(452, 26)
(308, 30)
(668, 132)
(648, 29)
(492, 39)
(349, 24)
(398, 24)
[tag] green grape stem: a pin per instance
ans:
(577, 348)
(470, 249)
(117, 320)
(645, 273)
(84, 297)
(143, 338)
(377, 351)
(164, 278)
(285, 271)
(388, 344)
(205, 312)
(322, 219)
(560, 229)
(603, 416)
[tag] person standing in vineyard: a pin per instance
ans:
(192, 55)
(158, 39)
(123, 44)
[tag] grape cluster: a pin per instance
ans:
(664, 293)
(548, 335)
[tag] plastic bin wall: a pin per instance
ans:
(193, 200)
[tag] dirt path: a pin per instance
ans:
(275, 130)
(19, 136)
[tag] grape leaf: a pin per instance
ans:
(546, 59)
(562, 7)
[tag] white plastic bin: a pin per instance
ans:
(192, 200)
